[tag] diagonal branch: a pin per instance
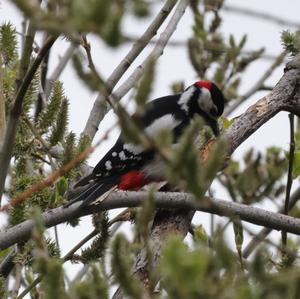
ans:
(100, 107)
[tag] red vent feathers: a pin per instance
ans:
(132, 180)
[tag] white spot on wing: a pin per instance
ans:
(108, 165)
(185, 97)
(165, 122)
(134, 149)
(114, 154)
(122, 155)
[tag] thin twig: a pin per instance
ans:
(17, 281)
(289, 175)
(2, 108)
(156, 52)
(41, 140)
(260, 15)
(208, 46)
(257, 86)
(59, 68)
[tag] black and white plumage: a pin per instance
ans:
(129, 166)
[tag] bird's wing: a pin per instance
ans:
(92, 191)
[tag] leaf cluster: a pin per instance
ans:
(215, 57)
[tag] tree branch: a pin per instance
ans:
(100, 106)
(167, 200)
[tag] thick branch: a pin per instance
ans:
(167, 200)
(284, 97)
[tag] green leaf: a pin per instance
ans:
(226, 122)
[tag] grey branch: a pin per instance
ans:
(168, 200)
(100, 106)
(261, 15)
(156, 52)
(266, 230)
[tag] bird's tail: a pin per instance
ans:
(91, 192)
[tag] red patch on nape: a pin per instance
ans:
(132, 180)
(204, 83)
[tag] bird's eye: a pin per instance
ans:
(214, 112)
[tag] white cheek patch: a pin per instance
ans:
(185, 97)
(205, 101)
(164, 122)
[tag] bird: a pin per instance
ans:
(128, 166)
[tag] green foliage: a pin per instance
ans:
(296, 165)
(53, 280)
(93, 287)
(87, 76)
(3, 288)
(185, 167)
(121, 265)
(144, 218)
(205, 273)
(69, 153)
(141, 8)
(238, 236)
(97, 249)
(20, 212)
(111, 32)
(259, 178)
(212, 56)
(145, 86)
(48, 115)
(8, 44)
(193, 273)
(291, 41)
(60, 125)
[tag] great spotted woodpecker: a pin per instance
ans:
(130, 167)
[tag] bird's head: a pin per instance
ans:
(211, 99)
(206, 99)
